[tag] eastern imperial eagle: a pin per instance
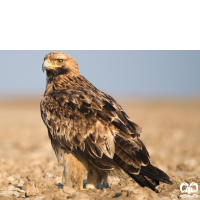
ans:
(90, 132)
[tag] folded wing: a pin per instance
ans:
(96, 127)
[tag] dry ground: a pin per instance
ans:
(28, 165)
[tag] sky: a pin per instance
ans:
(139, 74)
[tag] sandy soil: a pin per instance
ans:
(29, 169)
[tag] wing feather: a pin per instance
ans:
(94, 126)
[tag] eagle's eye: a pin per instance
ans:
(60, 60)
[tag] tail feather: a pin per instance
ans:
(155, 174)
(145, 182)
(132, 156)
(150, 177)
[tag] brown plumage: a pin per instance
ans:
(89, 131)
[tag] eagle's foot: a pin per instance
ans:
(90, 186)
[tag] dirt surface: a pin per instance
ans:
(29, 169)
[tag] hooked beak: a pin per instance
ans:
(47, 65)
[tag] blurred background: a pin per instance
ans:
(138, 74)
(159, 90)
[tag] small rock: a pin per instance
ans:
(18, 176)
(25, 186)
(80, 196)
(117, 194)
(30, 189)
(111, 194)
(164, 198)
(129, 188)
(112, 180)
(139, 192)
(60, 195)
(20, 182)
(11, 187)
(173, 196)
(122, 183)
(47, 175)
(31, 177)
(10, 192)
(124, 193)
(128, 191)
(68, 190)
(11, 179)
(104, 192)
(58, 179)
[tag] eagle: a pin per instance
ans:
(90, 132)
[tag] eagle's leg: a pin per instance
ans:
(92, 178)
(96, 178)
(74, 171)
(66, 178)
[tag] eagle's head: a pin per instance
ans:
(58, 63)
